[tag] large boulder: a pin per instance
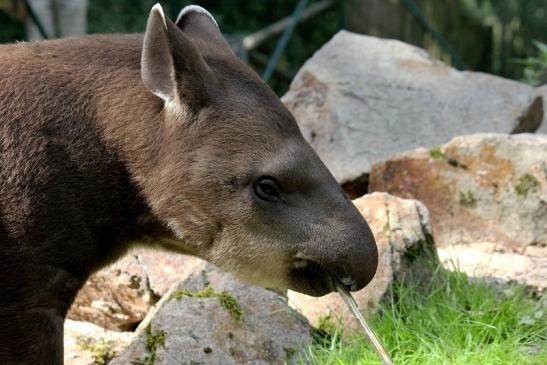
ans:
(361, 99)
(212, 318)
(119, 296)
(480, 189)
(405, 249)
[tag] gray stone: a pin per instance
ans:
(202, 331)
(361, 99)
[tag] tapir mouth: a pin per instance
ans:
(309, 277)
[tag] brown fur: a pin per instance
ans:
(91, 162)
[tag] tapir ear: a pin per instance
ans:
(171, 64)
(198, 24)
(157, 66)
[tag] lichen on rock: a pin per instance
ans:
(227, 300)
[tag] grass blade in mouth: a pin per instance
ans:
(371, 337)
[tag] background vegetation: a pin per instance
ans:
(487, 35)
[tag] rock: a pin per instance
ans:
(486, 188)
(87, 344)
(360, 99)
(212, 318)
(543, 92)
(403, 236)
(166, 269)
(118, 297)
(479, 188)
(482, 260)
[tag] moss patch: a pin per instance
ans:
(154, 340)
(468, 200)
(227, 301)
(438, 155)
(206, 292)
(526, 184)
(101, 351)
(231, 305)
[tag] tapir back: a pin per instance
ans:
(59, 176)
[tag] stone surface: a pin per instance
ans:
(403, 236)
(87, 344)
(118, 297)
(360, 99)
(482, 260)
(488, 188)
(166, 269)
(543, 92)
(479, 188)
(192, 330)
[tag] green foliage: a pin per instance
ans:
(10, 28)
(235, 18)
(513, 25)
(535, 67)
(454, 321)
(487, 34)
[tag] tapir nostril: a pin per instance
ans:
(349, 283)
(300, 263)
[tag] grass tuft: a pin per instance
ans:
(454, 321)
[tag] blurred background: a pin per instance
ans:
(502, 37)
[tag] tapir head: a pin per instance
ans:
(237, 184)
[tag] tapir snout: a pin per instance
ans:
(340, 246)
(347, 252)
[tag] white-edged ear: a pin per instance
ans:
(157, 67)
(200, 26)
(194, 9)
(159, 10)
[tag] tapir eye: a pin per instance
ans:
(267, 189)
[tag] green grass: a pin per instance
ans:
(453, 321)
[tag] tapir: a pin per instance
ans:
(164, 140)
